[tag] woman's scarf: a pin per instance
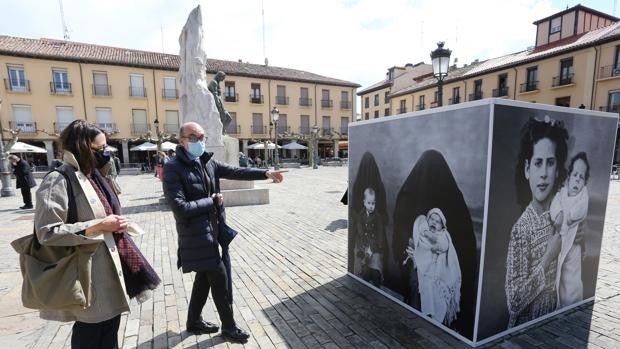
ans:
(138, 274)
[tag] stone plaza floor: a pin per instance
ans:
(291, 289)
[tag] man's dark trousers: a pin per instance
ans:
(216, 280)
(27, 196)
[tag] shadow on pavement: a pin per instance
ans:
(154, 207)
(336, 225)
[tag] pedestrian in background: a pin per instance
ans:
(24, 179)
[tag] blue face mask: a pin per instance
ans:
(196, 149)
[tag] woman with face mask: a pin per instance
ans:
(108, 256)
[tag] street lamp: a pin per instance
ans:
(275, 115)
(441, 60)
(5, 174)
(156, 123)
(315, 146)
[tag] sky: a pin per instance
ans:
(353, 40)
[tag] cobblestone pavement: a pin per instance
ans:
(291, 287)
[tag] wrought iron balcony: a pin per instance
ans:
(327, 131)
(562, 80)
(59, 88)
(60, 126)
(282, 100)
(17, 85)
(305, 102)
(107, 127)
(344, 130)
(345, 104)
(529, 86)
(136, 91)
(102, 90)
(258, 129)
(256, 99)
(420, 107)
(139, 128)
(169, 93)
(500, 92)
(475, 96)
(609, 71)
(231, 97)
(327, 103)
(24, 127)
(305, 130)
(454, 100)
(610, 108)
(233, 129)
(284, 129)
(171, 128)
(402, 110)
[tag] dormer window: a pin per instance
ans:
(556, 25)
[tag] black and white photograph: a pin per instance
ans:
(417, 190)
(550, 171)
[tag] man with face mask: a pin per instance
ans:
(192, 190)
(24, 178)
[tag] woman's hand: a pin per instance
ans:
(110, 224)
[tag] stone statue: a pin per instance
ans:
(214, 87)
(196, 103)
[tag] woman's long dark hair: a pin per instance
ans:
(77, 138)
(533, 131)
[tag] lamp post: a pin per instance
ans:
(441, 60)
(5, 174)
(315, 146)
(275, 115)
(156, 123)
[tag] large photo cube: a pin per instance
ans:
(483, 217)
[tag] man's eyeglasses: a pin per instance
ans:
(194, 138)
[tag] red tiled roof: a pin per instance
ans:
(98, 54)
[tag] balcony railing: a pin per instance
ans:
(171, 128)
(284, 129)
(610, 108)
(107, 127)
(137, 91)
(139, 128)
(402, 110)
(169, 93)
(102, 90)
(420, 107)
(231, 97)
(305, 102)
(475, 96)
(529, 86)
(345, 104)
(282, 100)
(233, 129)
(386, 100)
(24, 127)
(454, 100)
(17, 86)
(60, 126)
(305, 130)
(256, 99)
(500, 92)
(327, 131)
(327, 103)
(344, 130)
(258, 129)
(58, 88)
(562, 80)
(609, 71)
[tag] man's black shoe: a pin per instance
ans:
(236, 334)
(26, 207)
(202, 327)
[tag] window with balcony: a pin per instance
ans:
(17, 80)
(304, 100)
(326, 102)
(456, 95)
(366, 102)
(281, 97)
(435, 102)
(563, 101)
(60, 82)
(421, 105)
(139, 124)
(613, 102)
(345, 103)
(386, 112)
(531, 82)
(326, 127)
(344, 126)
(172, 121)
(255, 95)
(100, 84)
(136, 85)
(233, 127)
(257, 124)
(283, 124)
(104, 120)
(566, 73)
(386, 97)
(22, 119)
(64, 116)
(304, 122)
(502, 86)
(230, 91)
(477, 91)
(170, 88)
(376, 114)
(556, 25)
(403, 106)
(376, 100)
